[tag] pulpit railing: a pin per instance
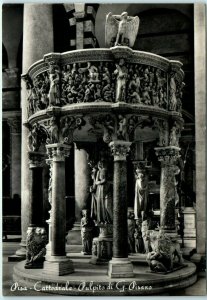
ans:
(118, 74)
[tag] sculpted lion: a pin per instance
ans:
(35, 247)
(165, 252)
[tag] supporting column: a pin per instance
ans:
(200, 131)
(15, 129)
(168, 156)
(36, 188)
(120, 265)
(37, 40)
(56, 261)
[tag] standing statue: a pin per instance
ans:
(172, 93)
(141, 193)
(54, 91)
(101, 206)
(174, 135)
(121, 30)
(53, 131)
(121, 73)
(145, 235)
(139, 246)
(122, 127)
(87, 229)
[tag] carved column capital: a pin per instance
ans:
(168, 155)
(120, 149)
(58, 152)
(14, 124)
(36, 159)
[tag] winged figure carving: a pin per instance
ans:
(121, 30)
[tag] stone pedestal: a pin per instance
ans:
(102, 245)
(56, 261)
(120, 266)
(189, 238)
(168, 156)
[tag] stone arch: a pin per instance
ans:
(186, 10)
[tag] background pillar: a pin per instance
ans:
(82, 182)
(200, 125)
(15, 129)
(37, 41)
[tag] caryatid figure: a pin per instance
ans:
(141, 193)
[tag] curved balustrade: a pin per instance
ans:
(118, 74)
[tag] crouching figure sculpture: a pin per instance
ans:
(165, 255)
(35, 247)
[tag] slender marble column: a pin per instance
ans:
(36, 161)
(56, 261)
(120, 266)
(15, 129)
(37, 41)
(168, 156)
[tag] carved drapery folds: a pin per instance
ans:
(111, 75)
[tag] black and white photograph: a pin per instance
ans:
(103, 149)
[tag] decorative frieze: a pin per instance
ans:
(117, 75)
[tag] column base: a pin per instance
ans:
(102, 250)
(19, 255)
(74, 235)
(58, 268)
(120, 268)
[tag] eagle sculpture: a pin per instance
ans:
(121, 30)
